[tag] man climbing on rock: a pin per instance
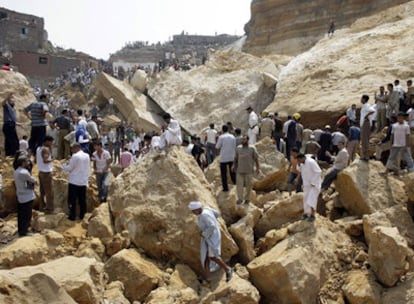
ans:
(210, 246)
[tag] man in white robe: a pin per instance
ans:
(210, 246)
(172, 131)
(253, 126)
(311, 181)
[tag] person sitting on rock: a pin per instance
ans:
(172, 131)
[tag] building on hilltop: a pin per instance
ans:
(23, 41)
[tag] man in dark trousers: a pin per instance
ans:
(11, 141)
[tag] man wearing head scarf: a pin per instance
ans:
(311, 179)
(172, 131)
(210, 246)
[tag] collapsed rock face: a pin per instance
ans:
(324, 81)
(146, 201)
(362, 190)
(134, 106)
(217, 92)
(286, 27)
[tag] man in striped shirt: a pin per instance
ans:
(36, 111)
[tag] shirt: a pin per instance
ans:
(37, 110)
(354, 133)
(9, 113)
(365, 110)
(78, 169)
(253, 119)
(102, 160)
(245, 159)
(227, 145)
(341, 160)
(41, 165)
(211, 135)
(23, 145)
(24, 185)
(400, 132)
(63, 122)
(92, 129)
(351, 114)
(338, 137)
(311, 173)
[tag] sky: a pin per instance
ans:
(101, 27)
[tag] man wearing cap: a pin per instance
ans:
(253, 126)
(311, 181)
(210, 246)
(78, 169)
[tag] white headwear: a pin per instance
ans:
(195, 205)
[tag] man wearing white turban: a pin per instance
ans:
(210, 246)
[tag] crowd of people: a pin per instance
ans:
(80, 138)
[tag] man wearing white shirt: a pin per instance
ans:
(351, 114)
(210, 139)
(311, 181)
(101, 162)
(79, 170)
(365, 123)
(172, 131)
(227, 145)
(253, 126)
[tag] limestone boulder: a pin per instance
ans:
(217, 92)
(134, 106)
(243, 234)
(91, 248)
(100, 223)
(235, 291)
(389, 255)
(118, 242)
(273, 167)
(147, 202)
(79, 279)
(271, 238)
(361, 288)
(139, 81)
(114, 293)
(29, 250)
(295, 268)
(396, 216)
(281, 212)
(362, 190)
(138, 274)
(352, 225)
(38, 288)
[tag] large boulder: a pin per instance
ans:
(402, 293)
(139, 81)
(363, 190)
(294, 270)
(324, 81)
(146, 201)
(361, 288)
(81, 278)
(134, 106)
(389, 255)
(138, 274)
(396, 216)
(281, 212)
(100, 223)
(217, 92)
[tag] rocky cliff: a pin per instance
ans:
(291, 27)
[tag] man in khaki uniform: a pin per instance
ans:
(245, 157)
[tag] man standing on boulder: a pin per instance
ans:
(365, 123)
(246, 156)
(11, 141)
(210, 246)
(78, 169)
(172, 131)
(227, 145)
(311, 179)
(253, 126)
(36, 111)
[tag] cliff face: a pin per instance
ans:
(293, 26)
